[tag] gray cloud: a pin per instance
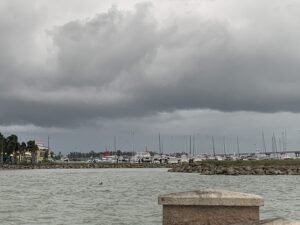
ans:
(131, 64)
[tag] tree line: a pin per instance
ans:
(11, 150)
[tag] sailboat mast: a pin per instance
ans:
(274, 144)
(159, 144)
(238, 145)
(224, 146)
(280, 144)
(264, 142)
(285, 140)
(213, 145)
(132, 139)
(190, 145)
(115, 143)
(193, 145)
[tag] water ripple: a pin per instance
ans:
(126, 196)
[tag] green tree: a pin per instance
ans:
(2, 147)
(22, 150)
(11, 146)
(33, 148)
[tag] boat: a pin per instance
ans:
(142, 157)
(183, 159)
(172, 160)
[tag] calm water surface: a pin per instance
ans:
(127, 196)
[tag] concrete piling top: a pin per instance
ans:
(211, 197)
(276, 221)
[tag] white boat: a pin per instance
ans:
(260, 156)
(141, 157)
(109, 159)
(288, 156)
(219, 158)
(184, 159)
(157, 159)
(199, 158)
(172, 160)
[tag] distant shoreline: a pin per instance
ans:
(71, 165)
(255, 167)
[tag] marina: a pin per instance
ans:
(177, 158)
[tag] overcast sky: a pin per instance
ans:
(83, 72)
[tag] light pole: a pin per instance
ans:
(48, 152)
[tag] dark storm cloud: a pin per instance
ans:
(130, 64)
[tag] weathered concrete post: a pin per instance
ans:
(209, 207)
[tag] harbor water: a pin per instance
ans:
(124, 196)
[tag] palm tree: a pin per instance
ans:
(11, 146)
(2, 144)
(33, 148)
(22, 150)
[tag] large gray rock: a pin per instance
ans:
(259, 171)
(231, 171)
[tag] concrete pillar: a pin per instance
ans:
(276, 221)
(209, 207)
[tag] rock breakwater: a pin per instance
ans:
(226, 169)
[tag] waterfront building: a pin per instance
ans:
(41, 152)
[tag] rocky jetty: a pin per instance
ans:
(235, 169)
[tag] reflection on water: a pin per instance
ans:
(126, 196)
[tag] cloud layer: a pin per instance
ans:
(132, 64)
